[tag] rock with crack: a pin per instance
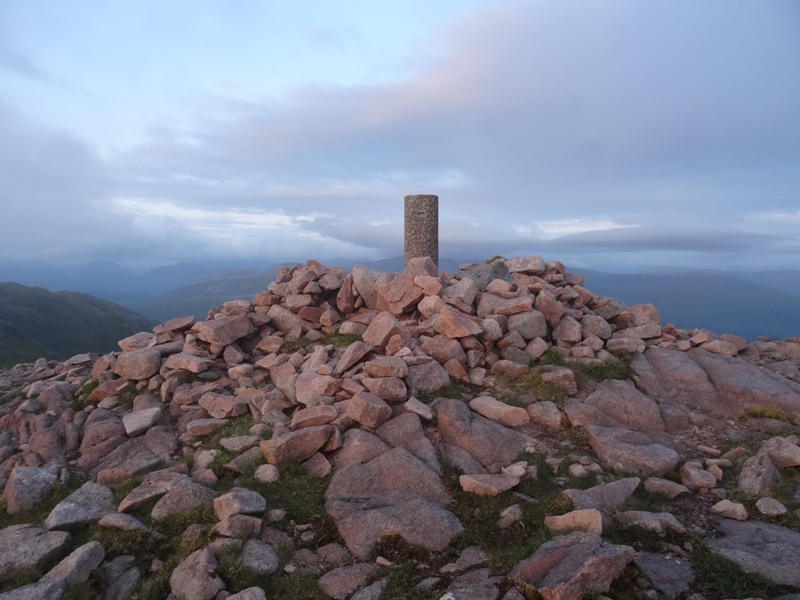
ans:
(395, 493)
(487, 442)
(573, 566)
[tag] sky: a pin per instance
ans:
(602, 133)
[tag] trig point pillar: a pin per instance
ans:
(421, 227)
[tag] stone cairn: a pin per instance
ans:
(331, 366)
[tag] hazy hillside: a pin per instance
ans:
(716, 301)
(745, 303)
(35, 323)
(107, 279)
(198, 297)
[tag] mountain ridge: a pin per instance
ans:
(36, 323)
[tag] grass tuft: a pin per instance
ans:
(302, 497)
(341, 339)
(765, 412)
(458, 390)
(291, 347)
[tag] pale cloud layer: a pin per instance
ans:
(626, 132)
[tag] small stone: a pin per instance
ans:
(546, 413)
(251, 593)
(139, 421)
(368, 409)
(259, 557)
(731, 510)
(509, 516)
(267, 474)
(487, 485)
(275, 515)
(195, 578)
(201, 427)
(25, 548)
(123, 522)
(420, 409)
(510, 416)
(758, 474)
(469, 558)
(589, 520)
(657, 522)
(696, 478)
(769, 507)
(239, 501)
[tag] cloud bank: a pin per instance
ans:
(625, 133)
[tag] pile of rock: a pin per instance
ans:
(331, 366)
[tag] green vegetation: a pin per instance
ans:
(86, 389)
(291, 347)
(302, 496)
(234, 427)
(341, 339)
(297, 586)
(613, 369)
(92, 588)
(718, 577)
(764, 412)
(457, 390)
(531, 382)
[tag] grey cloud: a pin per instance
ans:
(532, 99)
(21, 65)
(641, 112)
(54, 201)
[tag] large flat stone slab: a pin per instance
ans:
(25, 548)
(764, 549)
(89, 503)
(628, 450)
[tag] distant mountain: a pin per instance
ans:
(787, 280)
(200, 296)
(717, 301)
(107, 279)
(744, 303)
(36, 323)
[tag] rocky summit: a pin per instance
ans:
(497, 433)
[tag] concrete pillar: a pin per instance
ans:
(421, 227)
